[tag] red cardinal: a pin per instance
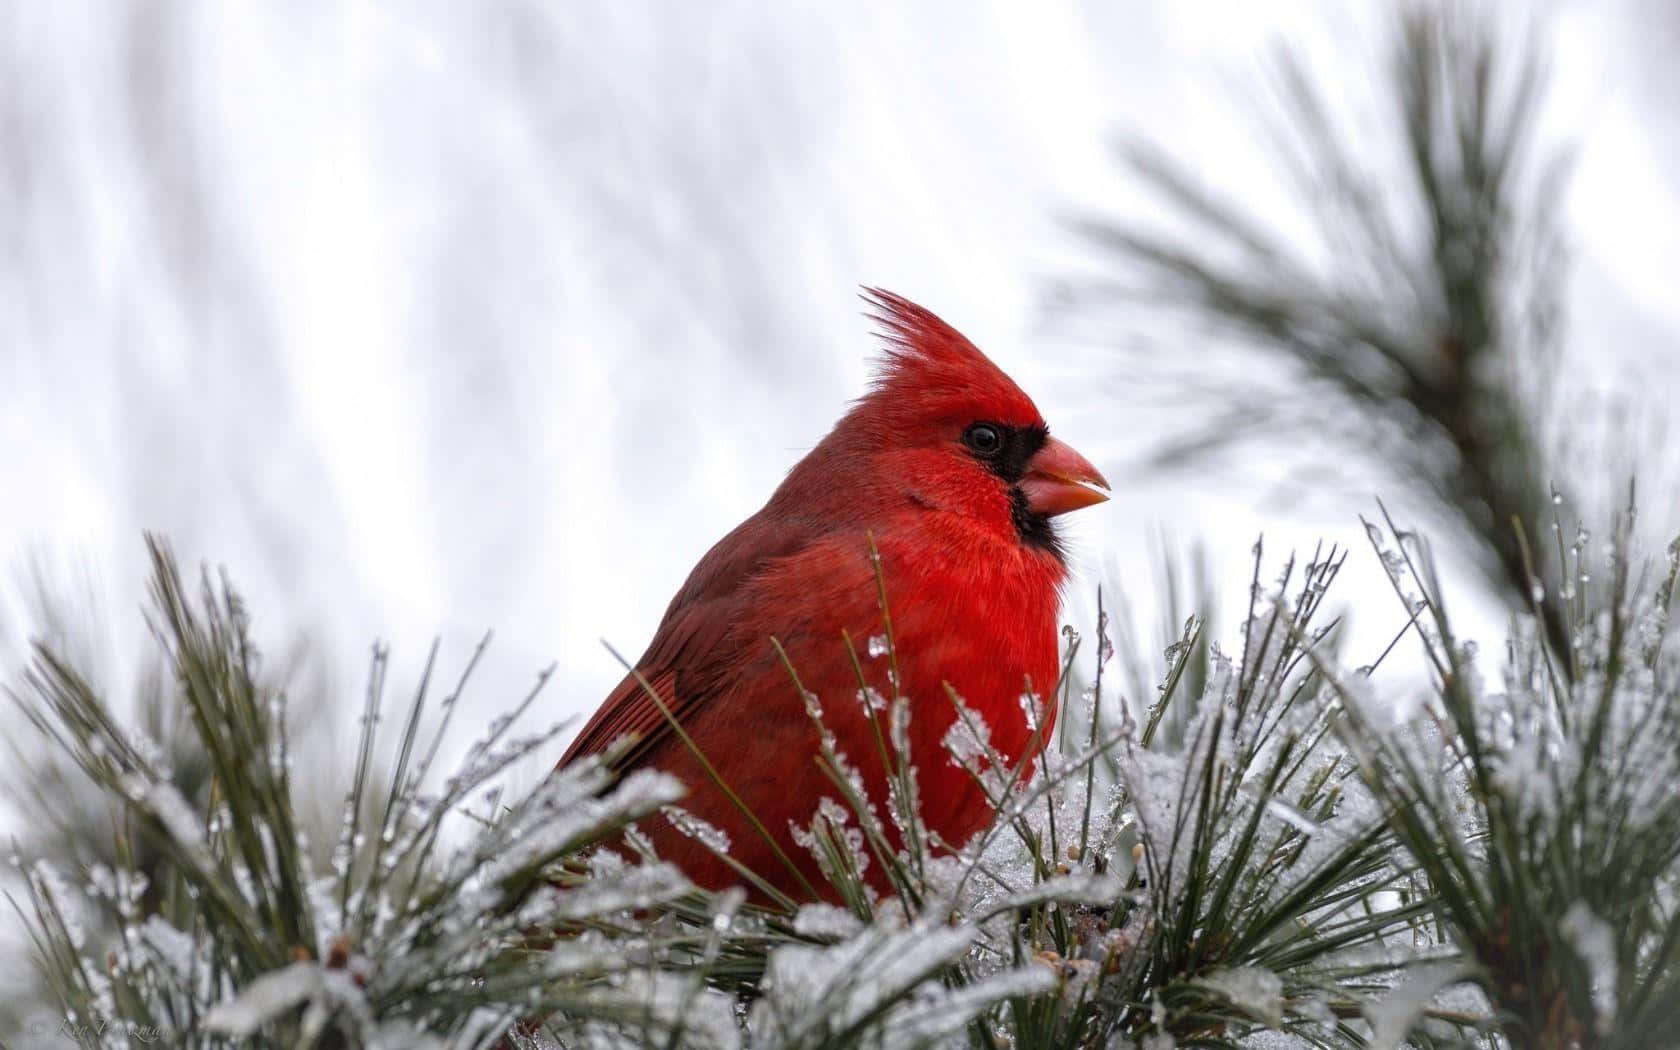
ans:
(951, 469)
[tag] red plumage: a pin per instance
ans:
(972, 573)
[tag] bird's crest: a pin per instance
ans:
(927, 358)
(914, 334)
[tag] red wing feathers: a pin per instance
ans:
(696, 645)
(627, 710)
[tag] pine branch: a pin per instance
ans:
(1285, 860)
(402, 933)
(1428, 336)
(1543, 818)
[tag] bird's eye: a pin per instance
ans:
(983, 438)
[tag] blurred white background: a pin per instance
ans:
(426, 319)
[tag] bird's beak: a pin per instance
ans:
(1059, 480)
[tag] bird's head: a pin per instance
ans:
(947, 428)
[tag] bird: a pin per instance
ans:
(930, 509)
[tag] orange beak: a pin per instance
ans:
(1059, 480)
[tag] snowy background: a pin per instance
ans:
(432, 318)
